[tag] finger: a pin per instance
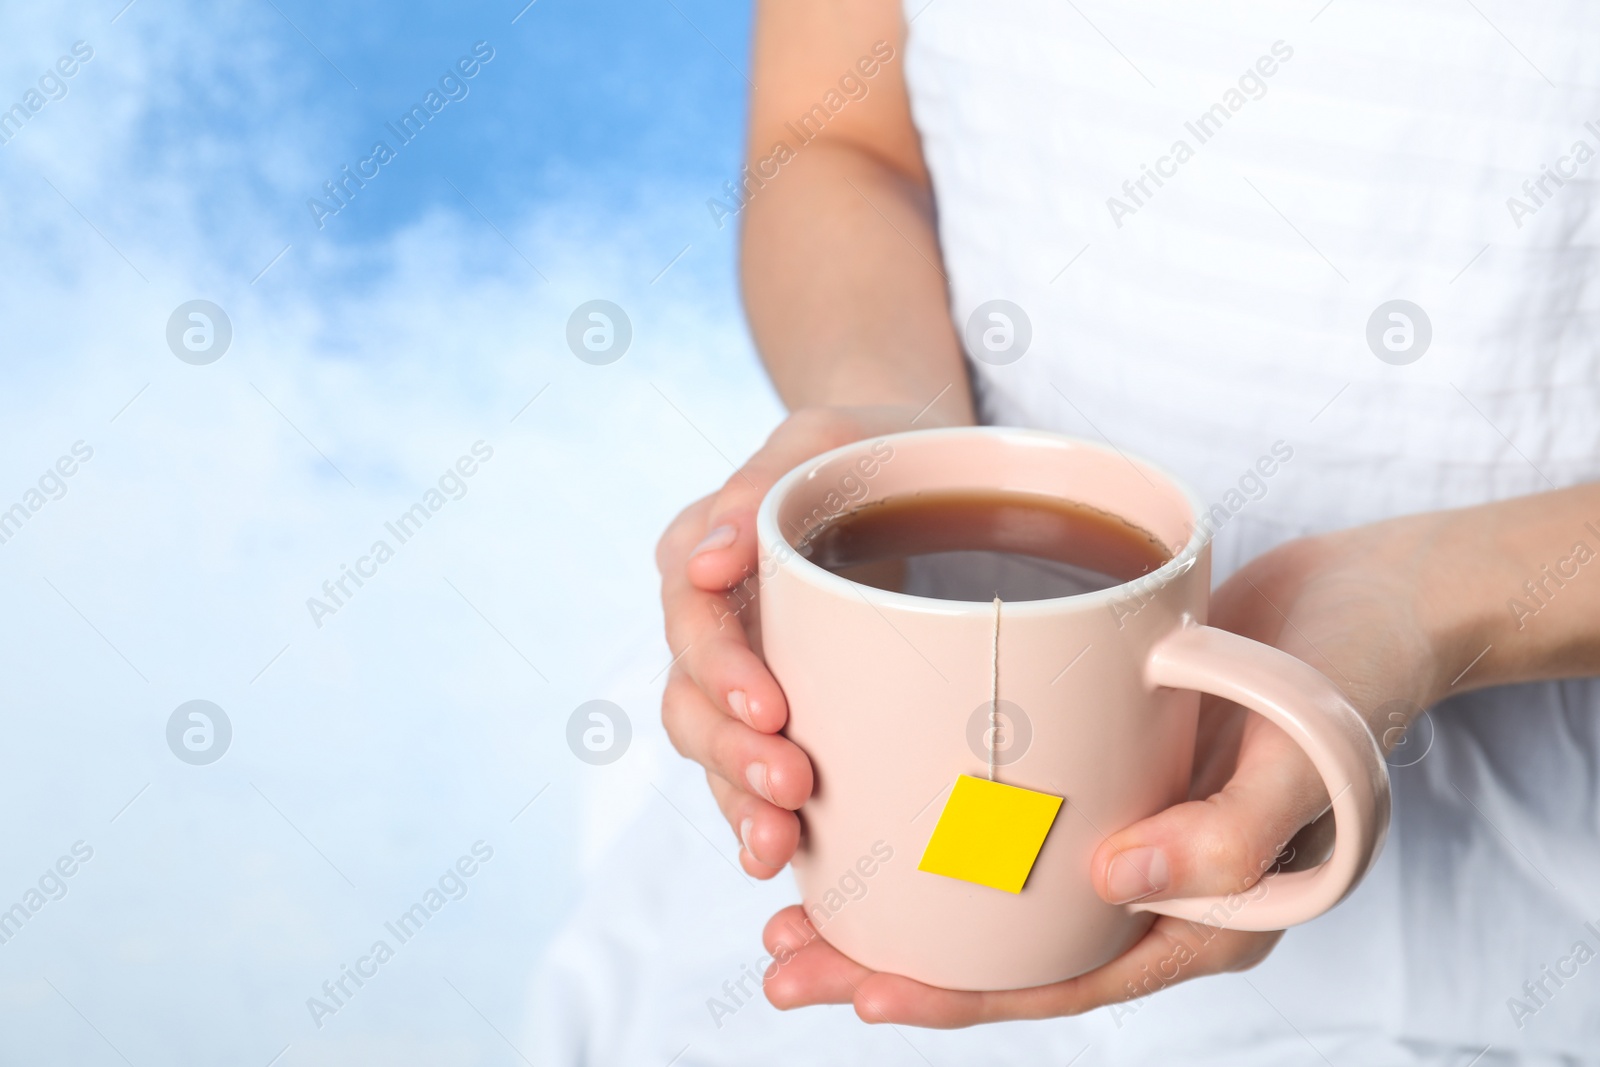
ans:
(1224, 843)
(768, 834)
(790, 929)
(726, 552)
(807, 969)
(705, 632)
(1172, 951)
(769, 766)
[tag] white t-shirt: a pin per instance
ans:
(1204, 213)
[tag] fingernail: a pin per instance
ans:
(1137, 873)
(739, 706)
(720, 537)
(756, 775)
(745, 828)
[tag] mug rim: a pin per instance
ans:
(768, 535)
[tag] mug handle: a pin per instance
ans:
(1308, 707)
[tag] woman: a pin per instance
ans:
(1363, 232)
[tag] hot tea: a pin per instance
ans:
(978, 544)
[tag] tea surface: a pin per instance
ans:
(975, 545)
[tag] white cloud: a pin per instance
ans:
(407, 726)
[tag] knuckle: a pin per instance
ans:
(675, 710)
(674, 626)
(1249, 959)
(1248, 951)
(727, 751)
(1241, 855)
(1240, 851)
(684, 626)
(669, 719)
(726, 796)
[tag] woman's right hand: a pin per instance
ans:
(722, 708)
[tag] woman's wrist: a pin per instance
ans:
(1500, 592)
(1456, 601)
(1437, 618)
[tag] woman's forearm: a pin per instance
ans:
(844, 288)
(843, 282)
(1509, 591)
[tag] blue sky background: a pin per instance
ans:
(614, 104)
(372, 751)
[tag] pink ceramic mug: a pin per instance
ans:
(883, 688)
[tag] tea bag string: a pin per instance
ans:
(994, 691)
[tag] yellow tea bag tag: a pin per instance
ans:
(989, 833)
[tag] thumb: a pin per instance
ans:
(1224, 843)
